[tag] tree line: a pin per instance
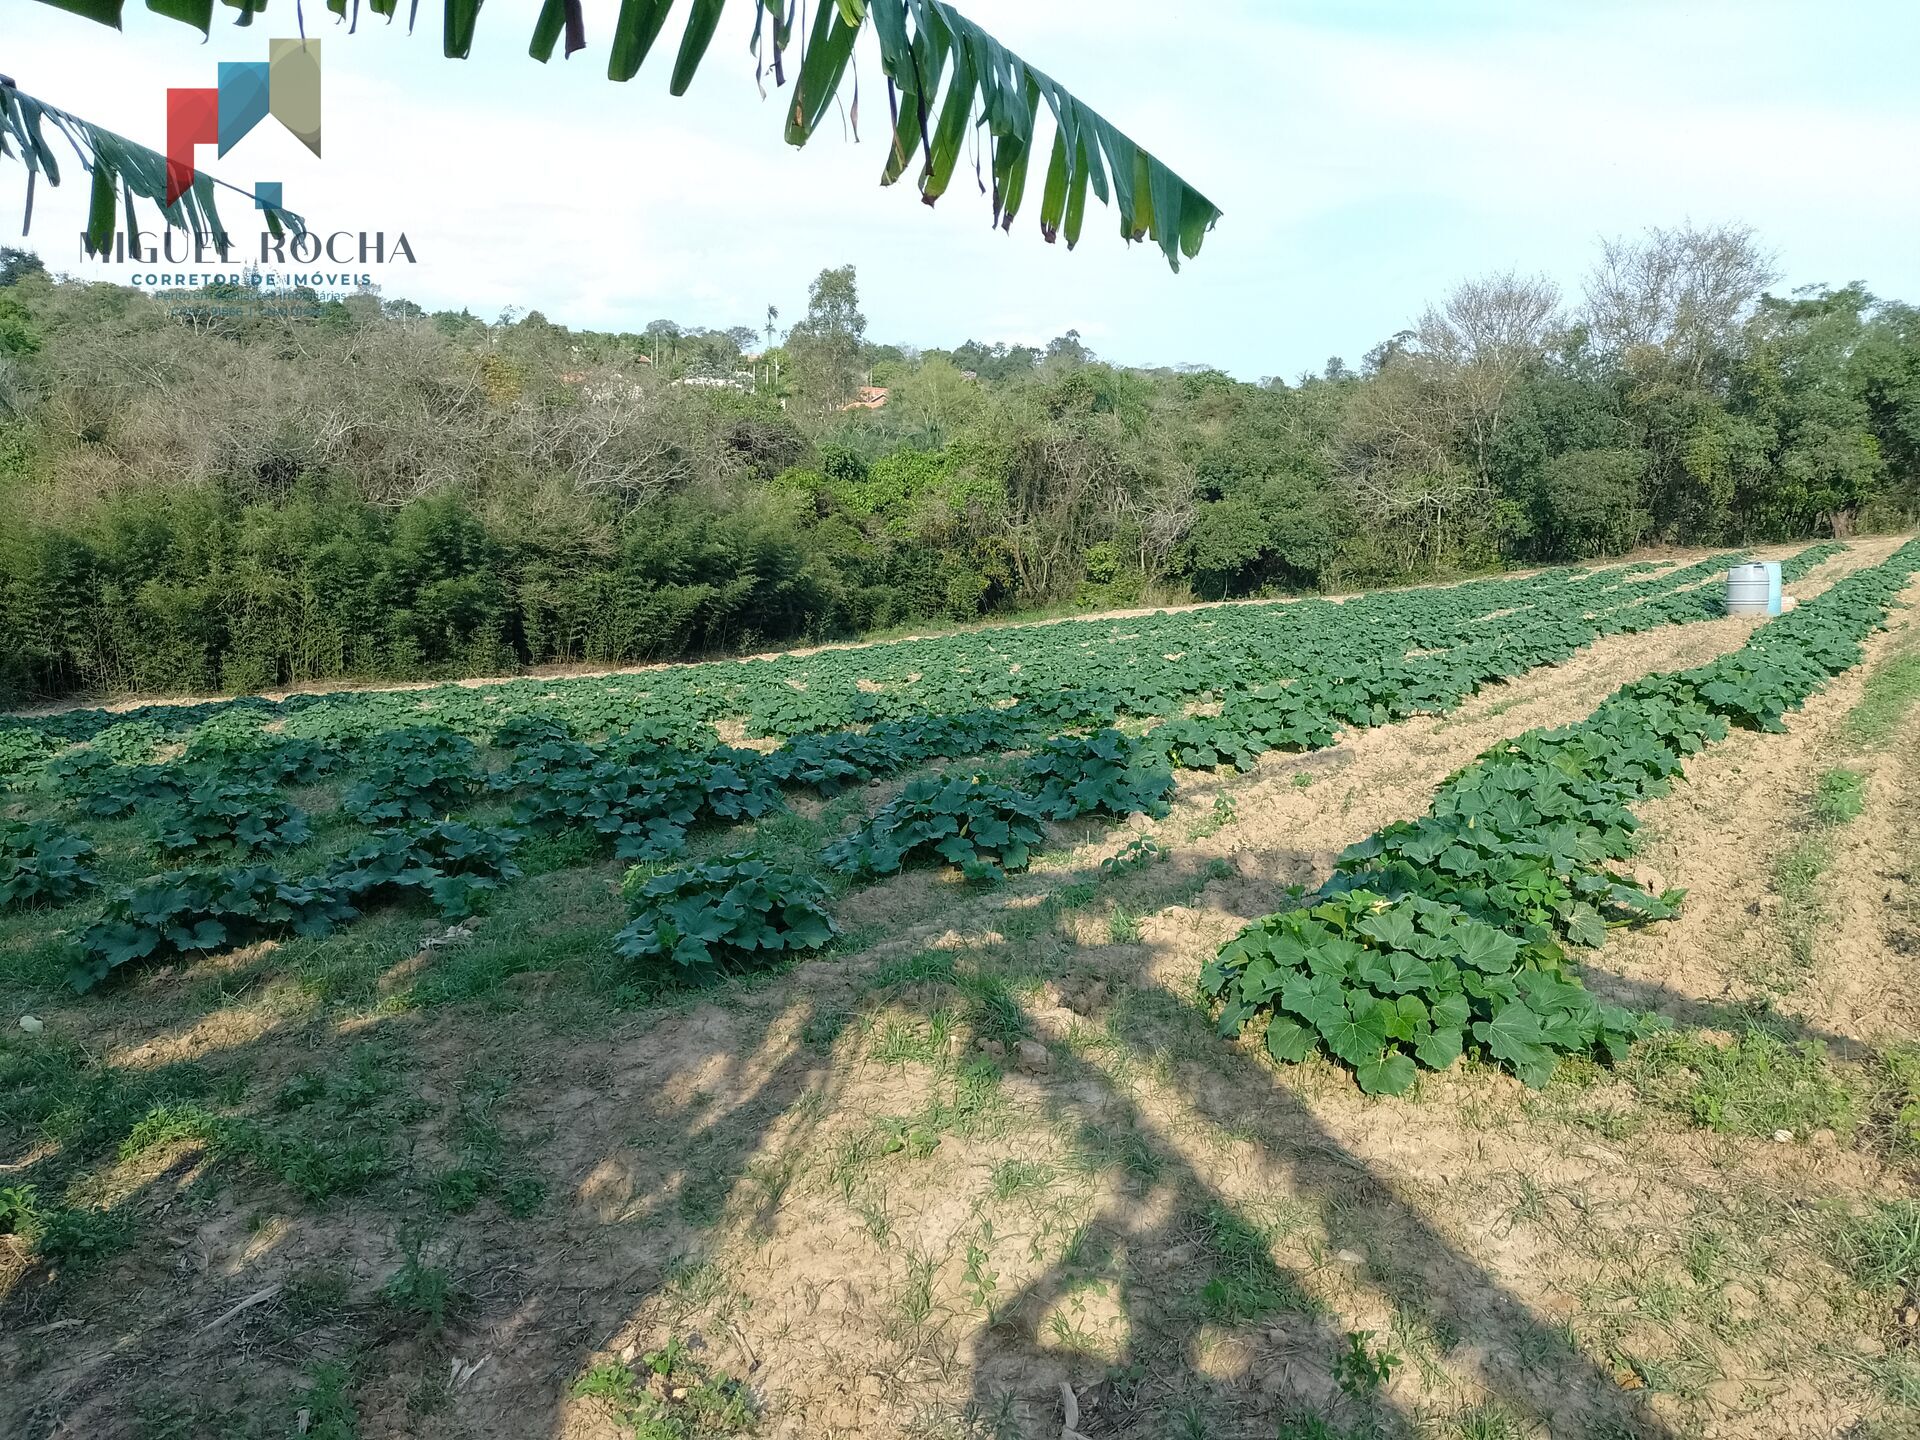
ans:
(212, 491)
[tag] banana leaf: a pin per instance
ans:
(945, 76)
(120, 169)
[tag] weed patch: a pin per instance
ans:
(1756, 1085)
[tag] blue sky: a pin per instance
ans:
(1367, 155)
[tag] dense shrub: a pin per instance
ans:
(388, 498)
(737, 913)
(981, 827)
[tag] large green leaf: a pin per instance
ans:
(1392, 928)
(694, 41)
(1320, 1000)
(1390, 1074)
(928, 50)
(1440, 1049)
(1356, 1039)
(461, 17)
(1513, 1034)
(197, 13)
(828, 51)
(1288, 1041)
(107, 12)
(1486, 948)
(118, 169)
(634, 31)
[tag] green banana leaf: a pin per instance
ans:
(120, 171)
(945, 77)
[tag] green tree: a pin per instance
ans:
(1798, 383)
(1587, 503)
(1886, 368)
(15, 264)
(824, 350)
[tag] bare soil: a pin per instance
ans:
(826, 1186)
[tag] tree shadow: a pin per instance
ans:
(1172, 1363)
(646, 1171)
(663, 1129)
(1680, 1008)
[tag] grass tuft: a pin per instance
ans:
(1882, 1250)
(1889, 691)
(1839, 797)
(1757, 1085)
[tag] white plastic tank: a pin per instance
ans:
(1754, 589)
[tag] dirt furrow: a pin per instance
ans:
(1734, 833)
(1284, 822)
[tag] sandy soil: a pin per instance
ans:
(1723, 836)
(805, 1179)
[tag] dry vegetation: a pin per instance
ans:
(987, 1170)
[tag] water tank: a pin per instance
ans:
(1754, 589)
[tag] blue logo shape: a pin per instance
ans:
(244, 97)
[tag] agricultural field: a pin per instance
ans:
(1473, 1011)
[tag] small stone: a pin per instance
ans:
(1139, 822)
(1783, 1137)
(32, 1024)
(993, 1049)
(1035, 1058)
(1349, 1257)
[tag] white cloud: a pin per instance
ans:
(1366, 155)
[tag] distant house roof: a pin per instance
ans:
(867, 397)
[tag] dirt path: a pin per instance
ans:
(1747, 937)
(808, 1179)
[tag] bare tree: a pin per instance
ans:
(1480, 341)
(615, 434)
(1396, 457)
(1674, 300)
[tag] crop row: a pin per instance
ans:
(640, 793)
(1452, 932)
(1149, 666)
